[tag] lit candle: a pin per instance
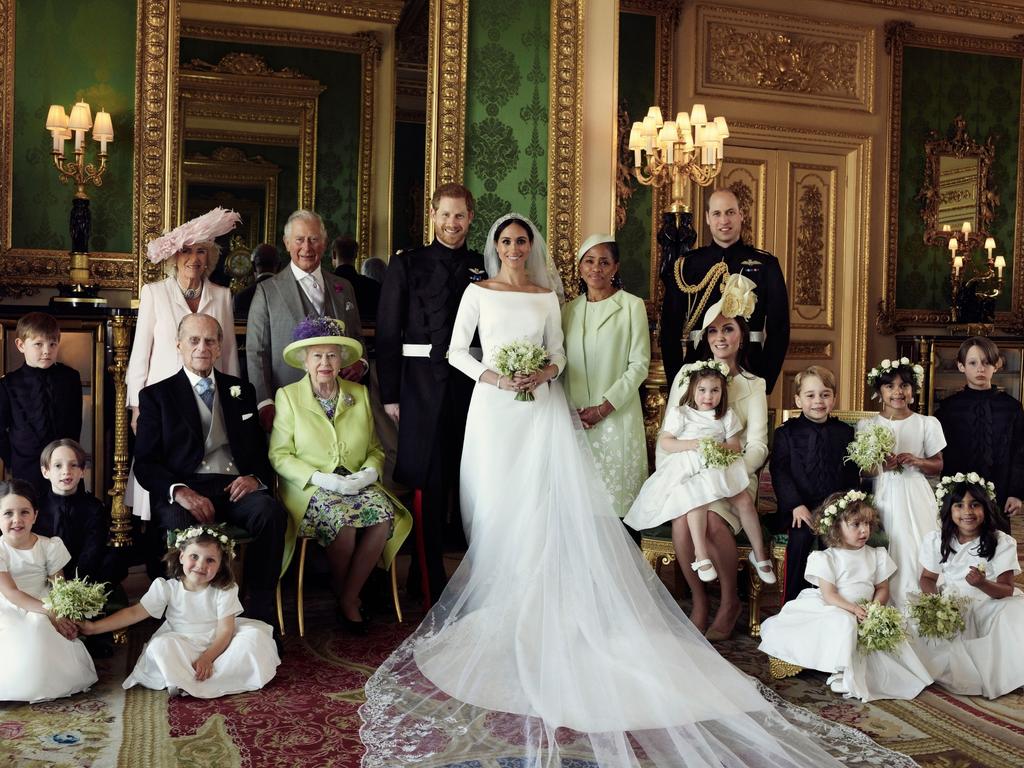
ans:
(966, 228)
(958, 264)
(953, 245)
(103, 130)
(58, 143)
(1000, 265)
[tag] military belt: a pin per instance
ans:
(423, 350)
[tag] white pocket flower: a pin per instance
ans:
(236, 391)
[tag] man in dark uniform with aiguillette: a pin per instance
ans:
(692, 284)
(426, 397)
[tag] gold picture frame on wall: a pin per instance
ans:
(891, 318)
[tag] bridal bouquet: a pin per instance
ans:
(715, 455)
(939, 616)
(871, 446)
(520, 357)
(75, 599)
(881, 630)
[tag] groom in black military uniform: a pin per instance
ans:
(426, 397)
(692, 285)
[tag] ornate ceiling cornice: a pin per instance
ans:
(384, 11)
(974, 10)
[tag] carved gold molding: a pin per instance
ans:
(809, 350)
(565, 136)
(448, 41)
(364, 44)
(747, 178)
(794, 59)
(890, 318)
(813, 232)
(667, 19)
(385, 11)
(975, 10)
(23, 271)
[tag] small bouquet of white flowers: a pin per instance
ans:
(715, 455)
(938, 616)
(75, 599)
(869, 449)
(881, 630)
(523, 357)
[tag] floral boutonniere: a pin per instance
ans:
(347, 400)
(236, 391)
(338, 288)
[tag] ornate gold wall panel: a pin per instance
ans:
(565, 135)
(793, 59)
(809, 350)
(23, 271)
(364, 44)
(386, 11)
(1009, 12)
(745, 177)
(448, 38)
(812, 252)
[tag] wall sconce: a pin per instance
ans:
(62, 128)
(974, 287)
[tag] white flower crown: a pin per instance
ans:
(828, 514)
(226, 542)
(946, 485)
(703, 365)
(887, 366)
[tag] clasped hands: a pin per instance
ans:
(202, 508)
(345, 484)
(525, 382)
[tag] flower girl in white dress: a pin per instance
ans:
(202, 648)
(682, 487)
(818, 630)
(978, 562)
(44, 658)
(903, 496)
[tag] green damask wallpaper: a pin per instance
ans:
(65, 52)
(934, 86)
(637, 32)
(337, 160)
(507, 111)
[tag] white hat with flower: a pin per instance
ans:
(738, 300)
(202, 229)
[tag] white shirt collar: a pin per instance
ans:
(193, 379)
(300, 275)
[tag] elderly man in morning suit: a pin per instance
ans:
(300, 289)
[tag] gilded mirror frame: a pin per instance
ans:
(230, 167)
(24, 271)
(267, 98)
(898, 35)
(960, 145)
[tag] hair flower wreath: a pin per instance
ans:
(946, 484)
(888, 366)
(828, 514)
(703, 365)
(227, 544)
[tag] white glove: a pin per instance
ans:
(355, 482)
(328, 481)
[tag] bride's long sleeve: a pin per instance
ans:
(554, 338)
(466, 320)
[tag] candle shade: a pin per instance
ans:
(655, 114)
(990, 243)
(103, 129)
(958, 263)
(56, 119)
(1000, 262)
(946, 228)
(683, 124)
(636, 137)
(953, 244)
(966, 228)
(722, 126)
(698, 115)
(81, 117)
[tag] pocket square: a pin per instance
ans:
(246, 416)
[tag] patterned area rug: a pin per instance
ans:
(308, 715)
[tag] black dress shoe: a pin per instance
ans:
(358, 628)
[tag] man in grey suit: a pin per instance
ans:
(300, 289)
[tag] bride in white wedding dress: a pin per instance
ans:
(554, 644)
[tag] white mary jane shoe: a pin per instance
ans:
(767, 578)
(705, 574)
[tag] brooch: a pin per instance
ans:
(347, 400)
(236, 391)
(476, 275)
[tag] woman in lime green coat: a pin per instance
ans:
(327, 455)
(608, 347)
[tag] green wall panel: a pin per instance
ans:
(934, 87)
(407, 186)
(506, 166)
(66, 51)
(337, 162)
(637, 32)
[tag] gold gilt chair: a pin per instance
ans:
(777, 667)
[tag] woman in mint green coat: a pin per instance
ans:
(608, 347)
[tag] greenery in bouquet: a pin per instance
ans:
(881, 630)
(871, 446)
(716, 455)
(75, 599)
(523, 357)
(938, 616)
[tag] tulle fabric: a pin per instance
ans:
(555, 645)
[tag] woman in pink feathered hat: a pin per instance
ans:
(189, 255)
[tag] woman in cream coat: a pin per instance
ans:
(608, 351)
(327, 455)
(190, 254)
(725, 336)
